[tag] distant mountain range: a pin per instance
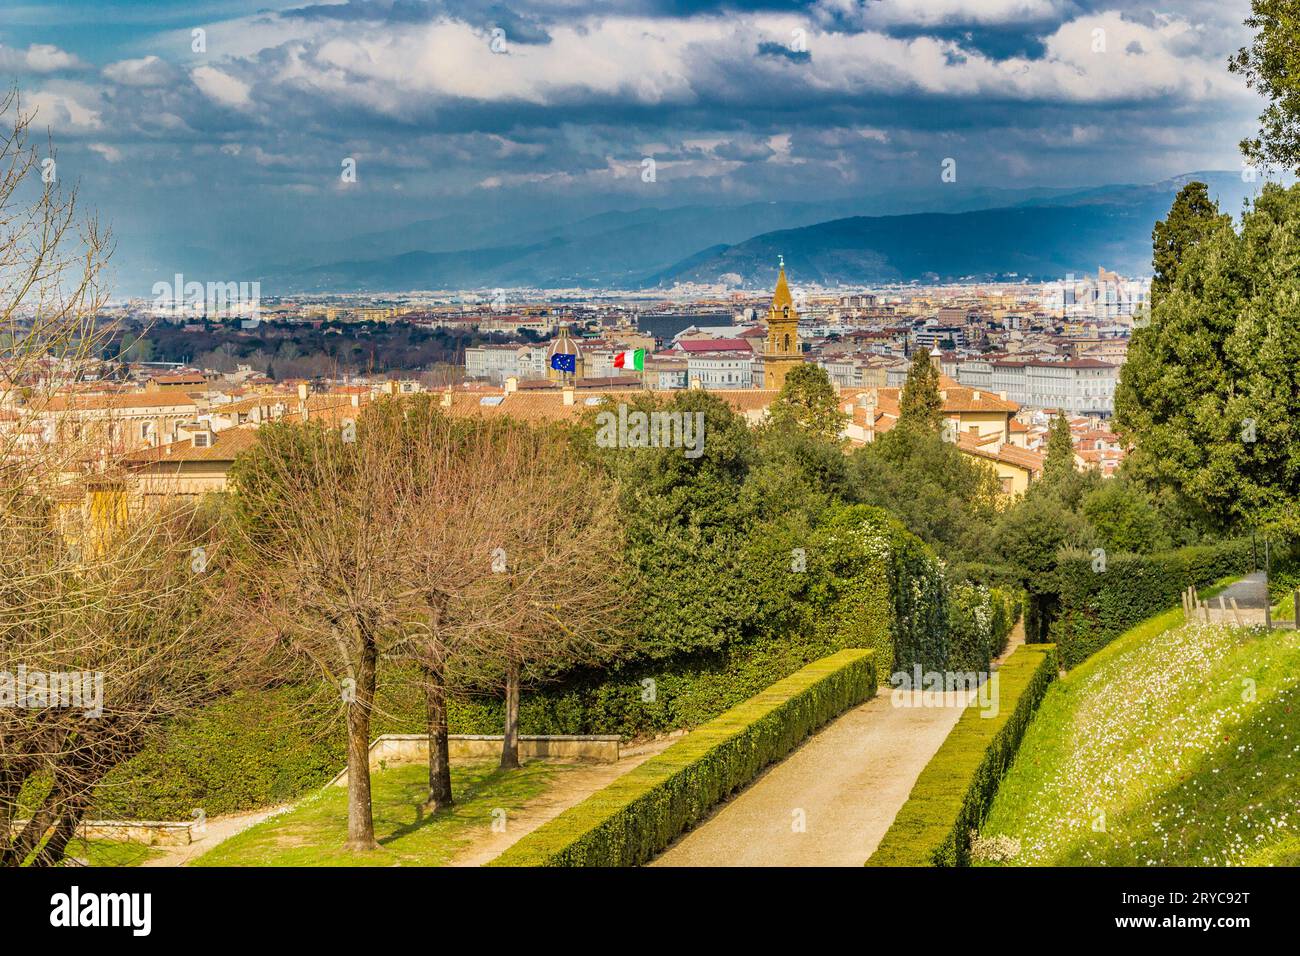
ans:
(1036, 233)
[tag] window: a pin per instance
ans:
(201, 440)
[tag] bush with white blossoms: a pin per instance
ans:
(998, 848)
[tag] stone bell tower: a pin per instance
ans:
(783, 351)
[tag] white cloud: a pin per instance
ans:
(143, 72)
(38, 58)
(61, 111)
(221, 87)
(110, 153)
(408, 72)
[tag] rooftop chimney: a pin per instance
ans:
(568, 396)
(512, 384)
(446, 399)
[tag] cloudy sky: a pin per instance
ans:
(235, 138)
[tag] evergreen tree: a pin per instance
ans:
(920, 404)
(1058, 467)
(1193, 217)
(808, 400)
(1209, 395)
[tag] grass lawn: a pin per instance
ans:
(111, 852)
(1177, 745)
(313, 832)
(1285, 611)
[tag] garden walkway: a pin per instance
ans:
(845, 784)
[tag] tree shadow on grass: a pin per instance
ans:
(495, 782)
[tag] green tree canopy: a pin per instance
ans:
(1271, 65)
(1058, 466)
(807, 400)
(1193, 217)
(1124, 518)
(1209, 395)
(944, 497)
(920, 404)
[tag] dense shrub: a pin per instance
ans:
(1096, 606)
(979, 620)
(638, 815)
(956, 789)
(253, 749)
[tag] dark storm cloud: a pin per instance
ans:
(769, 48)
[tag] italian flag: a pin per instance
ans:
(634, 359)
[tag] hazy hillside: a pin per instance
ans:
(979, 233)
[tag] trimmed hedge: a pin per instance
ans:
(956, 789)
(639, 814)
(1096, 607)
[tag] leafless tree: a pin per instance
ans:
(106, 629)
(558, 565)
(322, 530)
(101, 649)
(453, 500)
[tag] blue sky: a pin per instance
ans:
(452, 109)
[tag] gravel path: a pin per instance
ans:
(216, 830)
(844, 785)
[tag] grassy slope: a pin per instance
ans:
(312, 833)
(1155, 738)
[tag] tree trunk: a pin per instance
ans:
(52, 853)
(361, 821)
(510, 743)
(435, 700)
(33, 833)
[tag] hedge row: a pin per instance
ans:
(638, 815)
(955, 790)
(1094, 606)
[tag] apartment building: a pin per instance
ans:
(496, 363)
(1081, 386)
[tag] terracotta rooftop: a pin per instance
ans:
(159, 399)
(226, 445)
(1031, 461)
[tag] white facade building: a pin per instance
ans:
(1081, 386)
(721, 369)
(496, 363)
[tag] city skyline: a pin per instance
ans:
(282, 126)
